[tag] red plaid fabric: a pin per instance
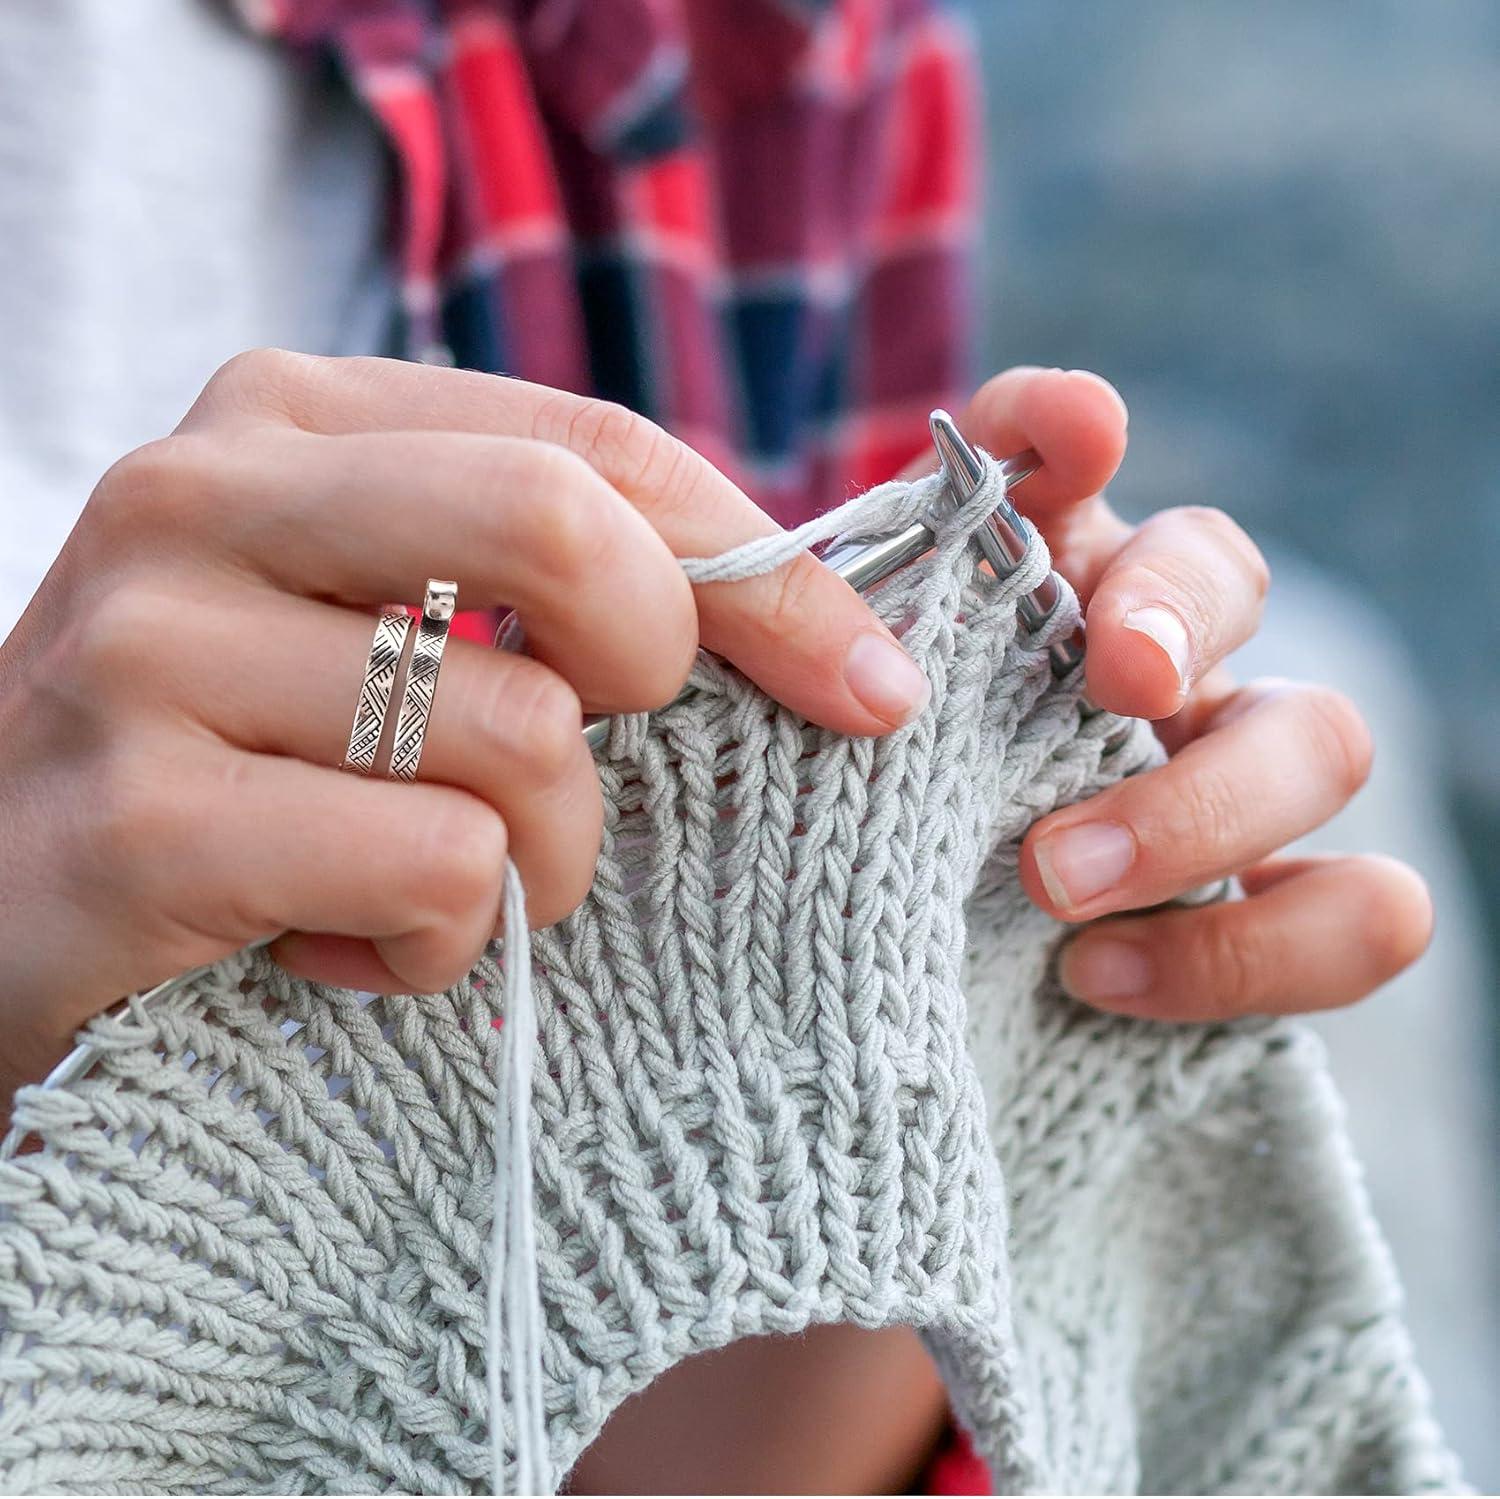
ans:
(750, 220)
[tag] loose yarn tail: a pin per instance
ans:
(515, 1320)
(884, 509)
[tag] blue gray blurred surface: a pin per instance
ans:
(1277, 228)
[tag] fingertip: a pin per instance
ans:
(1102, 390)
(866, 698)
(1138, 660)
(1032, 880)
(421, 962)
(1075, 420)
(1400, 919)
(1075, 867)
(810, 641)
(885, 680)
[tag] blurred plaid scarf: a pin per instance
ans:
(747, 219)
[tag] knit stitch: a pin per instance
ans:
(800, 1059)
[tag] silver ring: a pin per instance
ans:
(391, 630)
(421, 678)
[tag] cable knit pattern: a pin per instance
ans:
(800, 1059)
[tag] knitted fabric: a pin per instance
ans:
(799, 1059)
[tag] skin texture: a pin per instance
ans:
(175, 698)
(836, 1411)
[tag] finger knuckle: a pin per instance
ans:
(798, 584)
(572, 525)
(264, 379)
(461, 858)
(584, 531)
(128, 820)
(667, 471)
(1228, 963)
(536, 721)
(633, 452)
(136, 479)
(1341, 741)
(611, 437)
(1208, 816)
(148, 489)
(109, 647)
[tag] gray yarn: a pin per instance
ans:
(799, 1058)
(513, 1306)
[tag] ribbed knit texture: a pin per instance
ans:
(800, 1059)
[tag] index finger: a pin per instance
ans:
(801, 633)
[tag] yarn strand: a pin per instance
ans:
(514, 1299)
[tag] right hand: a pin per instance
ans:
(175, 699)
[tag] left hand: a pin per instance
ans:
(1252, 767)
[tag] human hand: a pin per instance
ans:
(176, 698)
(1252, 767)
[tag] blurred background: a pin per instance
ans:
(1277, 229)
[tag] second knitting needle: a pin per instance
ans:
(1003, 540)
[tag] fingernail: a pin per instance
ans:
(1107, 388)
(1160, 624)
(885, 679)
(1083, 861)
(1102, 969)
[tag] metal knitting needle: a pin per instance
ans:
(1005, 536)
(1003, 541)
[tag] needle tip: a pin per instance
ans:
(962, 464)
